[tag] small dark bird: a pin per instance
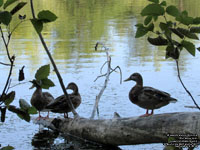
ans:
(40, 99)
(147, 97)
(60, 104)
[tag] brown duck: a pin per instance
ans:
(40, 99)
(60, 104)
(147, 97)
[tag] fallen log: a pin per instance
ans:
(130, 131)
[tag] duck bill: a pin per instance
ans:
(127, 80)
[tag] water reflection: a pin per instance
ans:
(71, 39)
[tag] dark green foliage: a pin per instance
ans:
(46, 16)
(8, 2)
(46, 83)
(7, 148)
(42, 72)
(18, 7)
(5, 17)
(9, 98)
(37, 24)
(153, 9)
(183, 26)
(1, 3)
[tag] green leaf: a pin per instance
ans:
(163, 3)
(198, 49)
(9, 98)
(195, 30)
(18, 7)
(196, 20)
(147, 20)
(154, 1)
(179, 34)
(8, 2)
(20, 113)
(184, 18)
(159, 41)
(141, 31)
(7, 148)
(189, 47)
(42, 72)
(5, 17)
(32, 110)
(24, 105)
(150, 27)
(173, 11)
(47, 83)
(1, 3)
(153, 9)
(46, 16)
(37, 24)
(187, 33)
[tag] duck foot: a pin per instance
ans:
(147, 114)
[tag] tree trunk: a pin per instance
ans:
(130, 131)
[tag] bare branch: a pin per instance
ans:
(5, 64)
(54, 66)
(177, 65)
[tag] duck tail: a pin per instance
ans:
(172, 100)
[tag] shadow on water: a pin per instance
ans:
(47, 139)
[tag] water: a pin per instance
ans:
(71, 40)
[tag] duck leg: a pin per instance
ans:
(147, 113)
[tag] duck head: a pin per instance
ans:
(72, 86)
(135, 77)
(35, 84)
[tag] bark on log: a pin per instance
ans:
(131, 131)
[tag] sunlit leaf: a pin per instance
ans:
(37, 24)
(24, 105)
(153, 9)
(18, 7)
(187, 33)
(9, 98)
(8, 2)
(147, 20)
(7, 148)
(46, 16)
(32, 110)
(1, 3)
(172, 10)
(154, 1)
(42, 72)
(159, 41)
(189, 47)
(5, 17)
(47, 83)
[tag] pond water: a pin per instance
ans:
(71, 40)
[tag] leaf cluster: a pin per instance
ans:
(44, 16)
(41, 77)
(175, 35)
(5, 15)
(24, 111)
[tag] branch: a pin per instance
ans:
(177, 65)
(5, 64)
(54, 65)
(105, 82)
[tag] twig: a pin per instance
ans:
(177, 65)
(5, 64)
(54, 65)
(18, 84)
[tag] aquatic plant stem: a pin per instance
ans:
(177, 65)
(54, 65)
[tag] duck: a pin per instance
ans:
(40, 99)
(146, 97)
(60, 104)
